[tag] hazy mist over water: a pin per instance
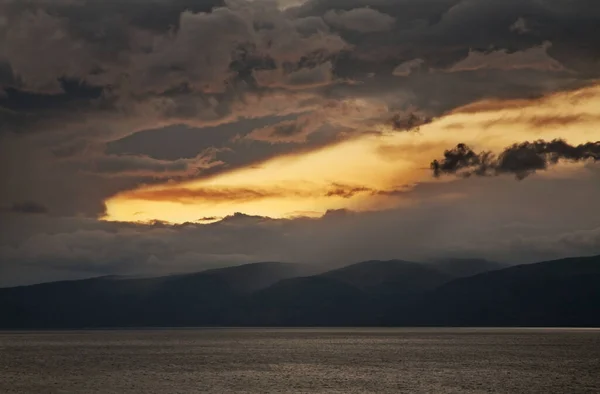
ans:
(302, 361)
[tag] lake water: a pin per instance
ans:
(302, 361)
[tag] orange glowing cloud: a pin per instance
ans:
(369, 172)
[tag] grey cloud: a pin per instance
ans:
(284, 132)
(320, 75)
(409, 120)
(150, 60)
(85, 15)
(159, 77)
(406, 68)
(113, 69)
(364, 20)
(289, 131)
(131, 165)
(316, 76)
(30, 172)
(261, 40)
(434, 226)
(443, 32)
(438, 92)
(181, 141)
(28, 207)
(348, 116)
(536, 58)
(34, 35)
(403, 10)
(520, 26)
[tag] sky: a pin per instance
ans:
(151, 137)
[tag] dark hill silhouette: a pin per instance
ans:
(248, 278)
(358, 294)
(555, 293)
(458, 268)
(188, 299)
(308, 301)
(393, 276)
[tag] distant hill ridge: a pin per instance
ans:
(464, 292)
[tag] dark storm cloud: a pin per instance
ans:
(181, 141)
(286, 130)
(174, 74)
(100, 43)
(520, 159)
(71, 91)
(155, 69)
(153, 14)
(28, 207)
(432, 27)
(289, 131)
(404, 10)
(112, 69)
(106, 27)
(410, 121)
(98, 97)
(130, 165)
(430, 36)
(437, 33)
(22, 111)
(364, 20)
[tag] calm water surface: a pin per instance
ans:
(302, 361)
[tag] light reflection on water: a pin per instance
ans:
(477, 360)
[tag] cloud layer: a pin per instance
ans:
(208, 103)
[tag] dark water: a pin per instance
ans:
(302, 360)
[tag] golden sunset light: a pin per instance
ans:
(364, 173)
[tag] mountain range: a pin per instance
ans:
(373, 293)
